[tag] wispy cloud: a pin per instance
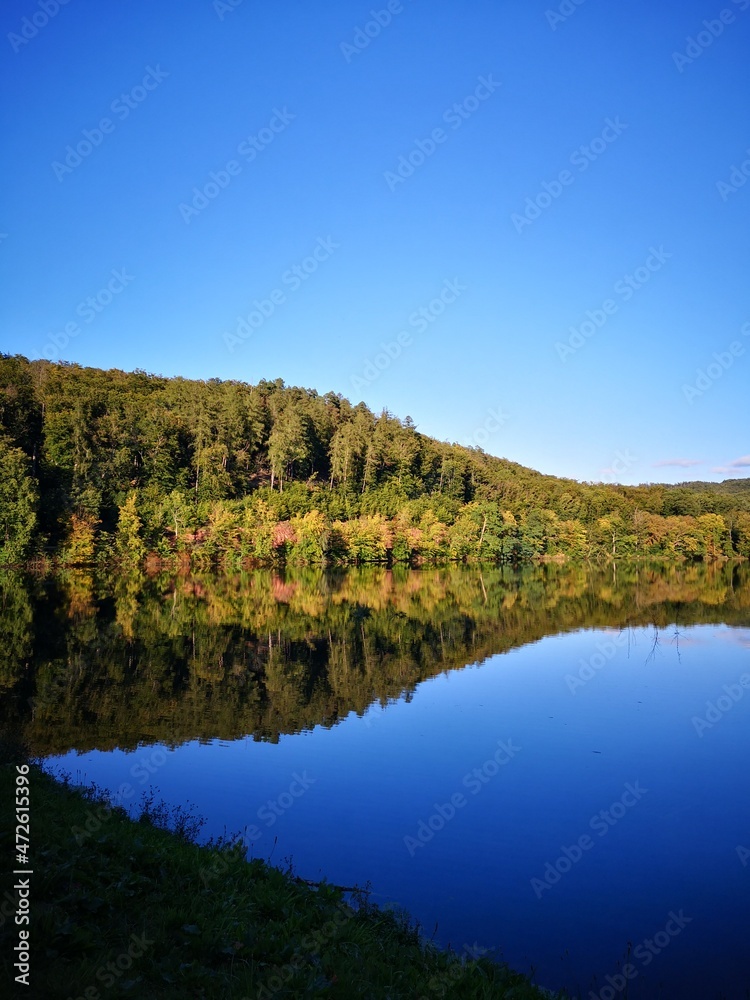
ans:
(682, 463)
(733, 467)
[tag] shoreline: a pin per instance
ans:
(136, 907)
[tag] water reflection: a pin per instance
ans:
(94, 661)
(559, 775)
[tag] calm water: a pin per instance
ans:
(527, 762)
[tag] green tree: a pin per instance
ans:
(716, 535)
(286, 445)
(18, 505)
(128, 540)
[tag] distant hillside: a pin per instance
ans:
(726, 486)
(104, 465)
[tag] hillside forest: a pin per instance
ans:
(105, 466)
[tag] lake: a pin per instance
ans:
(549, 766)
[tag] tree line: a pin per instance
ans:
(110, 465)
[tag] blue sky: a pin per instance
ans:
(541, 211)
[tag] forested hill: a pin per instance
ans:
(728, 486)
(110, 464)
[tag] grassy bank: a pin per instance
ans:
(124, 908)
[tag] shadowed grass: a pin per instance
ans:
(127, 908)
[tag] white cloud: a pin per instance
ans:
(733, 467)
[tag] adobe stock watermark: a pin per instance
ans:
(600, 823)
(269, 812)
(122, 106)
(625, 288)
(309, 946)
(495, 419)
(455, 116)
(643, 955)
(473, 781)
(696, 45)
(219, 866)
(374, 714)
(716, 710)
(274, 809)
(605, 652)
(9, 907)
(99, 814)
(738, 176)
(565, 10)
(440, 985)
(622, 461)
(31, 26)
(743, 853)
(365, 34)
(147, 765)
(87, 309)
(108, 974)
(722, 362)
(420, 320)
(293, 278)
(219, 180)
(224, 7)
(582, 158)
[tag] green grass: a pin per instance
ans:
(203, 921)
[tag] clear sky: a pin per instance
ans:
(541, 211)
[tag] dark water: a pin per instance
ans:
(551, 766)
